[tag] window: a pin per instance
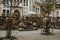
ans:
(14, 2)
(25, 12)
(37, 10)
(6, 2)
(25, 7)
(7, 11)
(58, 13)
(57, 1)
(20, 0)
(4, 11)
(25, 2)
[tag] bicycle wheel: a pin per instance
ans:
(51, 30)
(42, 30)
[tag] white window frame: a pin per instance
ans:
(37, 11)
(58, 13)
(25, 10)
(57, 1)
(6, 4)
(6, 11)
(15, 3)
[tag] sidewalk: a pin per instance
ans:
(34, 35)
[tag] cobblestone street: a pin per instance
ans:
(33, 35)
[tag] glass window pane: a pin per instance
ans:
(25, 8)
(58, 13)
(25, 12)
(37, 10)
(3, 1)
(4, 11)
(25, 2)
(58, 1)
(7, 1)
(7, 11)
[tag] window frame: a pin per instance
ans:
(57, 1)
(36, 11)
(6, 11)
(25, 7)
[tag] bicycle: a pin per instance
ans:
(47, 30)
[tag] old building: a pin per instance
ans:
(26, 7)
(9, 6)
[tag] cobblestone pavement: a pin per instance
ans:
(33, 35)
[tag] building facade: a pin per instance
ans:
(26, 7)
(31, 7)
